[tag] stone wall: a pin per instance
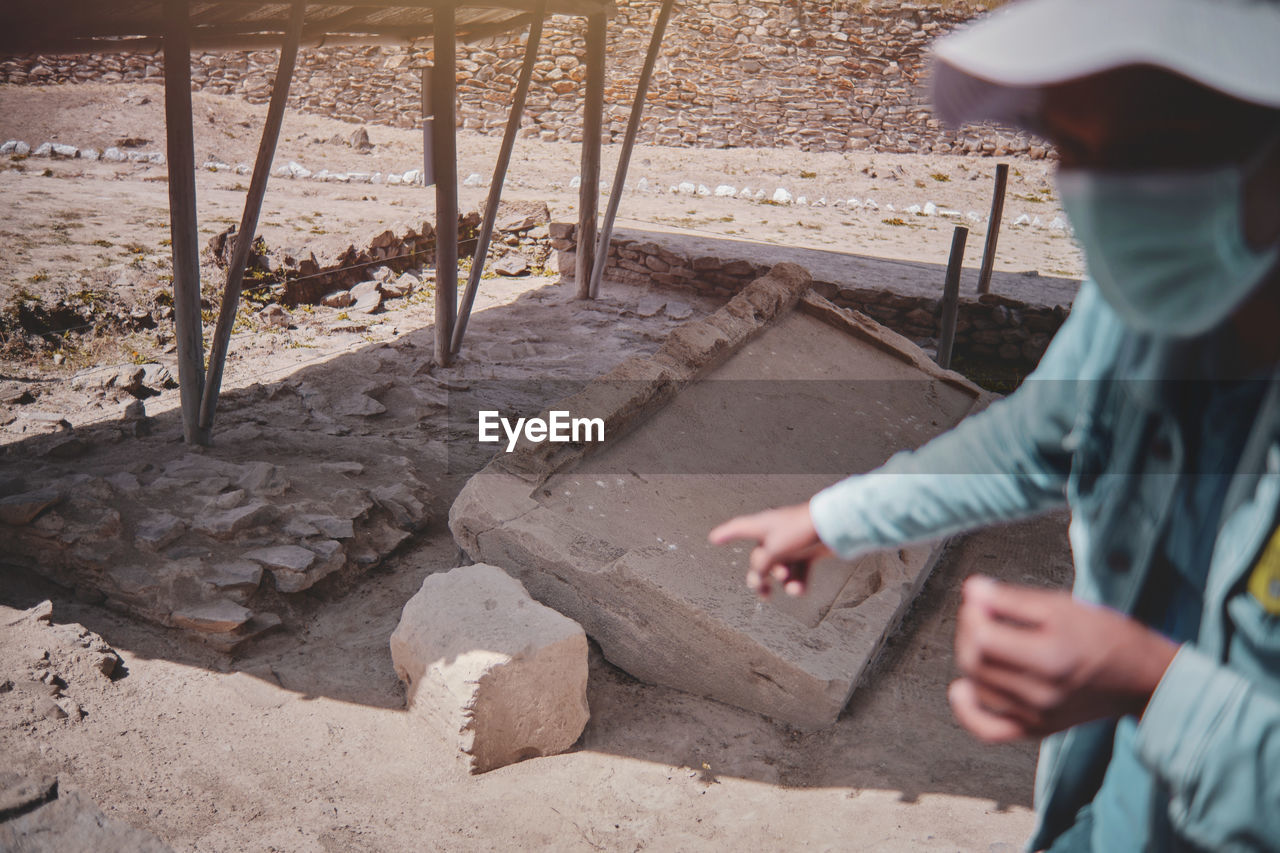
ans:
(845, 75)
(988, 327)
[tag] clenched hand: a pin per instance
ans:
(1037, 661)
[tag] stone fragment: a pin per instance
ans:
(333, 526)
(263, 478)
(511, 266)
(500, 675)
(215, 617)
(405, 284)
(158, 531)
(275, 316)
(234, 576)
(293, 558)
(338, 299)
(358, 405)
(367, 296)
(227, 523)
(18, 510)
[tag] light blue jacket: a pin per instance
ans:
(1078, 431)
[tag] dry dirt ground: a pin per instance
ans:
(300, 742)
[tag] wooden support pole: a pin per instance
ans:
(993, 228)
(592, 130)
(444, 91)
(628, 144)
(428, 131)
(495, 188)
(183, 232)
(951, 296)
(249, 220)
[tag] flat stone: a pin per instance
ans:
(338, 299)
(367, 296)
(73, 822)
(215, 617)
(617, 539)
(158, 531)
(358, 405)
(224, 524)
(405, 284)
(293, 558)
(233, 576)
(512, 266)
(19, 510)
(263, 478)
(501, 676)
(333, 526)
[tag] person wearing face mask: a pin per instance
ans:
(1154, 414)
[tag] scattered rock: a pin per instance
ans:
(367, 296)
(502, 676)
(338, 299)
(679, 310)
(511, 266)
(404, 285)
(649, 306)
(275, 316)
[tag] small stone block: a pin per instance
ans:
(502, 675)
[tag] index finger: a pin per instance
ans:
(742, 527)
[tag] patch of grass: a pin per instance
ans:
(805, 174)
(940, 177)
(896, 220)
(39, 277)
(106, 244)
(920, 184)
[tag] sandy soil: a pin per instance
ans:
(300, 743)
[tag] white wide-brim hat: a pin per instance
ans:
(993, 68)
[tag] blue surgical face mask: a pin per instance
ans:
(1167, 250)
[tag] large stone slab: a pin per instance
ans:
(773, 397)
(492, 669)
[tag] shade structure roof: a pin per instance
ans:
(91, 26)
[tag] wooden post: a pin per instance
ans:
(183, 232)
(628, 143)
(249, 219)
(444, 90)
(428, 131)
(993, 228)
(499, 177)
(592, 130)
(951, 296)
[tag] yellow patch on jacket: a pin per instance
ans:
(1264, 580)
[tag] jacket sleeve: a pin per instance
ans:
(1212, 736)
(1009, 461)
